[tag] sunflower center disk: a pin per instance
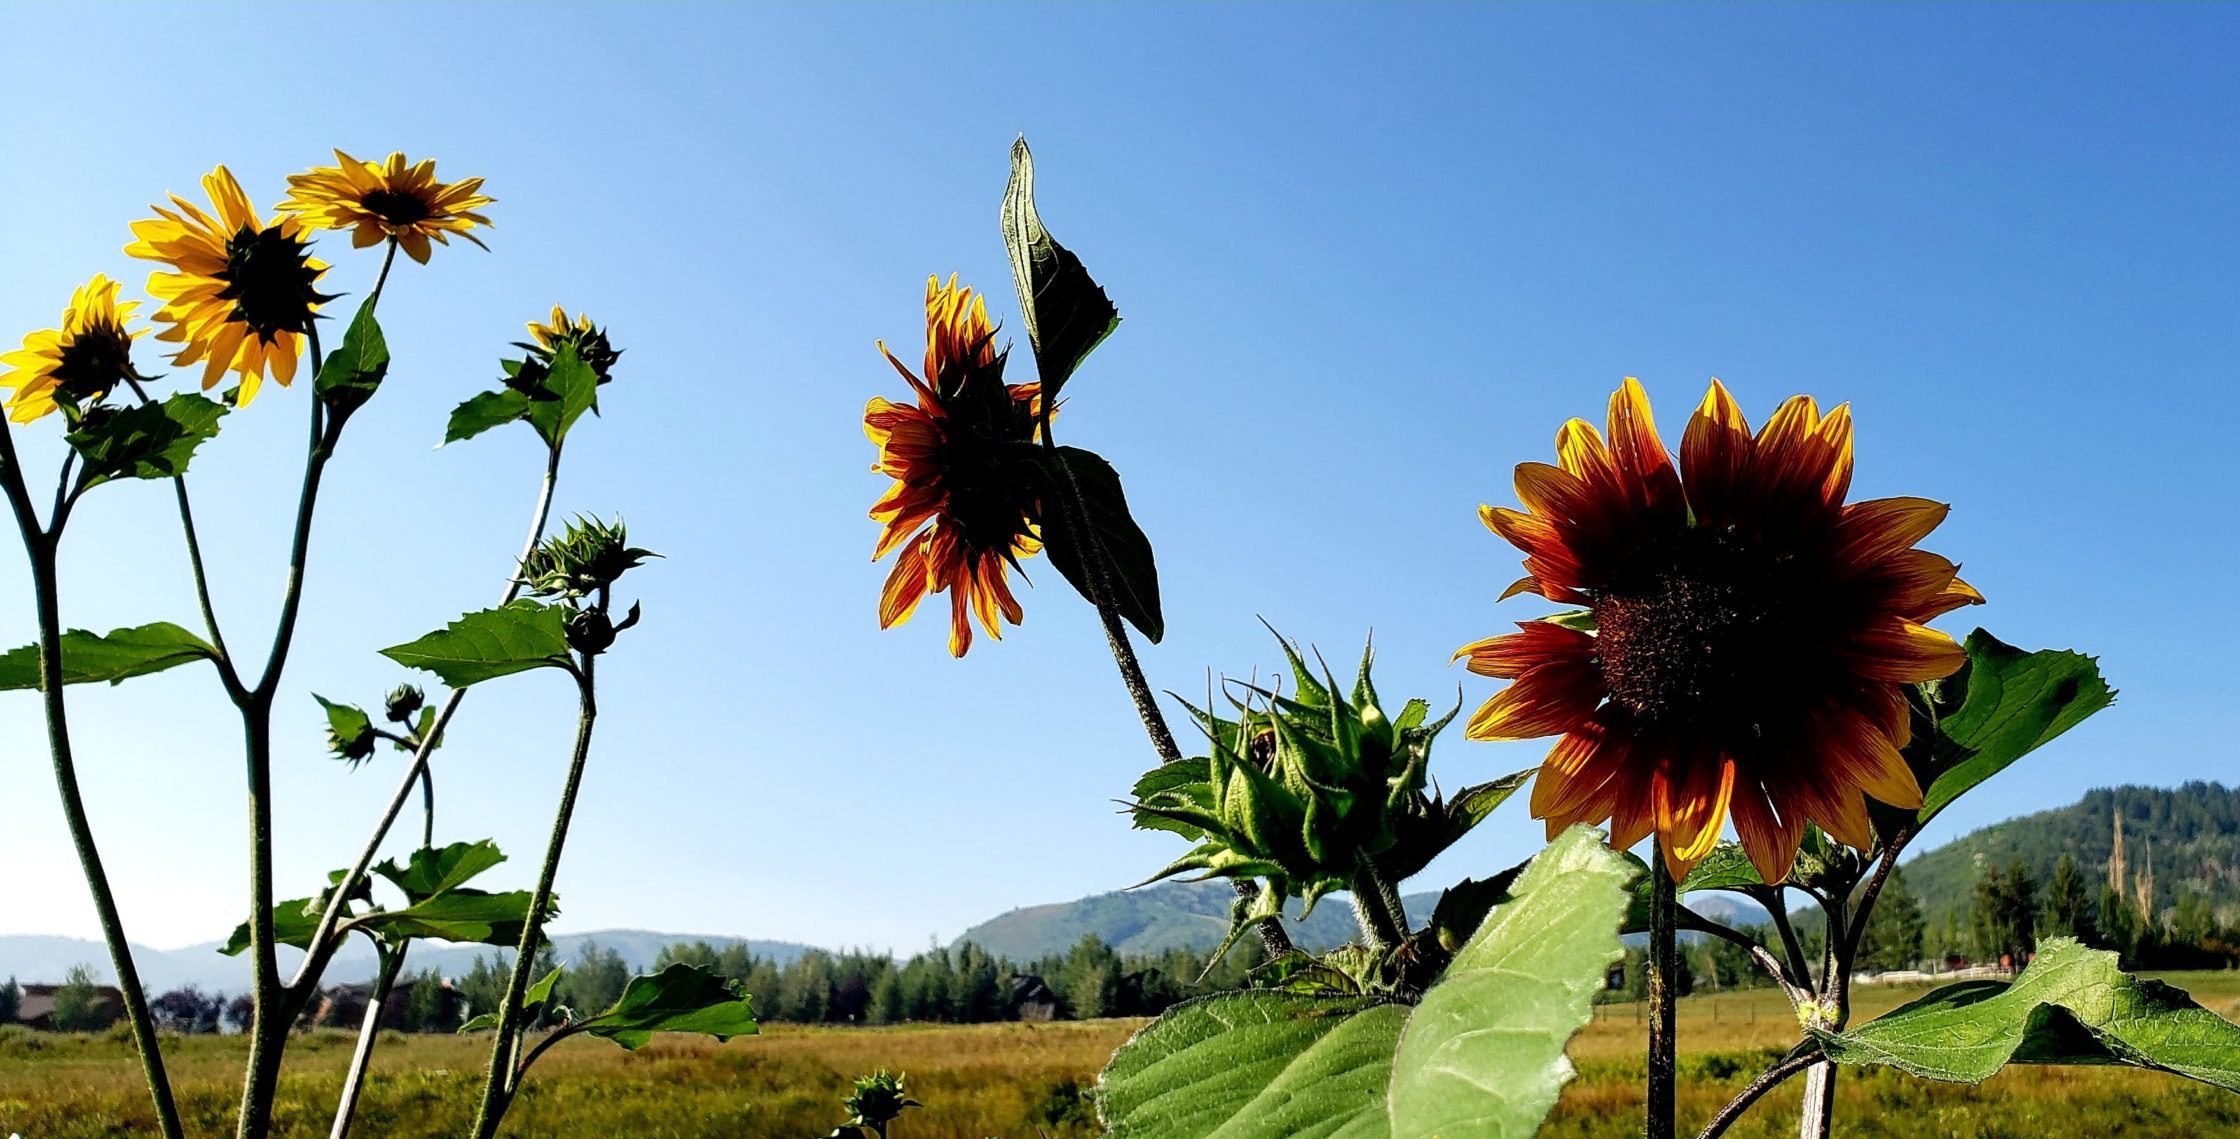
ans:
(1690, 637)
(94, 361)
(396, 208)
(269, 280)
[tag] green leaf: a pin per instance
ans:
(144, 441)
(1134, 576)
(293, 923)
(116, 657)
(574, 388)
(483, 411)
(354, 371)
(1255, 1065)
(1483, 1054)
(680, 998)
(2071, 1006)
(431, 872)
(2015, 703)
(459, 914)
(1463, 907)
(490, 643)
(1067, 313)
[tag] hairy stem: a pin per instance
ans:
(1768, 1080)
(1373, 907)
(499, 1082)
(1664, 963)
(353, 1081)
(307, 975)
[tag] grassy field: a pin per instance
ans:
(1020, 1080)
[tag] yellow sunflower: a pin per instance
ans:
(388, 200)
(241, 293)
(965, 503)
(77, 363)
(1751, 632)
(588, 339)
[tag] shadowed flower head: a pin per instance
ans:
(396, 200)
(545, 341)
(1745, 632)
(965, 504)
(77, 363)
(877, 1100)
(241, 294)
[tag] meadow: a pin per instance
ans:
(1023, 1080)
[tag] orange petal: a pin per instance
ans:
(1510, 656)
(1715, 454)
(906, 586)
(1547, 700)
(1580, 451)
(1690, 814)
(1770, 842)
(1901, 652)
(1639, 454)
(1877, 529)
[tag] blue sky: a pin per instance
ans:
(1369, 259)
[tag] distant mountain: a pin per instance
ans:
(36, 958)
(2189, 836)
(1157, 918)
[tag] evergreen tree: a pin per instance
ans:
(1895, 931)
(596, 981)
(11, 1001)
(78, 1004)
(2069, 904)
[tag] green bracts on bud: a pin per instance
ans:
(586, 558)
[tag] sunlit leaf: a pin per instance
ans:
(1483, 1055)
(483, 411)
(1066, 312)
(2072, 1005)
(680, 998)
(2014, 703)
(146, 440)
(490, 643)
(354, 370)
(115, 657)
(1255, 1065)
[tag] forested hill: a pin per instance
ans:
(2189, 836)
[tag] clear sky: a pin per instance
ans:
(1369, 259)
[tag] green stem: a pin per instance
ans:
(1664, 965)
(1373, 906)
(353, 1081)
(308, 974)
(40, 547)
(500, 1081)
(1073, 515)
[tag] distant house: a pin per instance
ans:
(37, 1006)
(344, 1006)
(1032, 999)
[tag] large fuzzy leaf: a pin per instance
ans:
(490, 643)
(2071, 1006)
(1483, 1054)
(1255, 1065)
(2014, 703)
(1067, 312)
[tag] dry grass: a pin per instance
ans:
(1016, 1079)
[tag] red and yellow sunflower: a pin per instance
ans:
(965, 504)
(1746, 637)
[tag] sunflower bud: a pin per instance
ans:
(877, 1101)
(585, 559)
(403, 701)
(588, 339)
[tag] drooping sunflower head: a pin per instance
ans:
(391, 200)
(1744, 636)
(74, 365)
(588, 339)
(240, 294)
(966, 501)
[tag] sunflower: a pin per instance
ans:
(588, 339)
(1751, 633)
(77, 363)
(965, 504)
(241, 295)
(382, 201)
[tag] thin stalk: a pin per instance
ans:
(1073, 514)
(1768, 1080)
(353, 1081)
(40, 549)
(226, 673)
(500, 1083)
(307, 974)
(1777, 907)
(1664, 965)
